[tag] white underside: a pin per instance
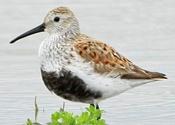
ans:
(107, 84)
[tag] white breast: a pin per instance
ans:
(53, 54)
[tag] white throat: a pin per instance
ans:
(54, 51)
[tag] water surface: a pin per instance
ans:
(143, 31)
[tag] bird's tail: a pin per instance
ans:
(144, 74)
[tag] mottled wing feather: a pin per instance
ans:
(106, 59)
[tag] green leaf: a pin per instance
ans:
(67, 118)
(83, 118)
(56, 116)
(29, 122)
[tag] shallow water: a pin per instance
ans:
(143, 31)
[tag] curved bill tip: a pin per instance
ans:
(37, 29)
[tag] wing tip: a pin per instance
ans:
(160, 76)
(152, 75)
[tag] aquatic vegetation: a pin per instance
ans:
(88, 117)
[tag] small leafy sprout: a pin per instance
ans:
(29, 122)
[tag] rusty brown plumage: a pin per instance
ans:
(106, 59)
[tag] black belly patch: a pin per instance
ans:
(69, 86)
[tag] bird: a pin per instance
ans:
(82, 69)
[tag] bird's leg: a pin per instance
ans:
(98, 108)
(92, 105)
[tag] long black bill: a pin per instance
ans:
(37, 29)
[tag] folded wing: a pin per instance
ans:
(106, 59)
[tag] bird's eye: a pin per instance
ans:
(56, 19)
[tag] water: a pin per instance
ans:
(143, 31)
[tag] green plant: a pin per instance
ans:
(29, 122)
(89, 117)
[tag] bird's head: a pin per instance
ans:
(59, 21)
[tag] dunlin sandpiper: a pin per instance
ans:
(79, 68)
